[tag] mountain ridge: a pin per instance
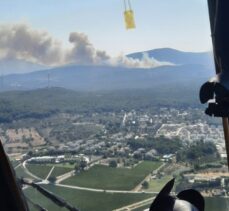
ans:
(94, 78)
(12, 66)
(86, 78)
(176, 56)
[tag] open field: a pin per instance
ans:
(20, 173)
(142, 208)
(64, 165)
(156, 185)
(14, 163)
(57, 171)
(39, 170)
(104, 177)
(86, 200)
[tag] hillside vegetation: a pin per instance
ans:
(41, 103)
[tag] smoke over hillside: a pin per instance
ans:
(21, 41)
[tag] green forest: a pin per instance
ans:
(41, 103)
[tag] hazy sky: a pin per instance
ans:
(180, 24)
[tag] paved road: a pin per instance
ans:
(100, 190)
(65, 176)
(50, 173)
(29, 173)
(17, 166)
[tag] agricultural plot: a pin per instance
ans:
(156, 185)
(107, 178)
(142, 208)
(40, 171)
(64, 165)
(85, 200)
(14, 163)
(57, 171)
(20, 173)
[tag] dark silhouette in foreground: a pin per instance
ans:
(187, 200)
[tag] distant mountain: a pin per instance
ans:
(177, 57)
(92, 78)
(10, 66)
(192, 70)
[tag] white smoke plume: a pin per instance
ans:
(83, 52)
(144, 62)
(20, 41)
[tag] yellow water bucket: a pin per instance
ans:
(129, 15)
(129, 19)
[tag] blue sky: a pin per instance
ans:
(180, 24)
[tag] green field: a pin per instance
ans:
(156, 185)
(65, 165)
(142, 208)
(86, 200)
(40, 171)
(57, 171)
(14, 163)
(20, 173)
(103, 177)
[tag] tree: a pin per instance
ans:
(52, 179)
(77, 167)
(83, 164)
(30, 153)
(113, 164)
(145, 185)
(198, 152)
(80, 165)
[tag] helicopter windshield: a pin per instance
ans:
(99, 103)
